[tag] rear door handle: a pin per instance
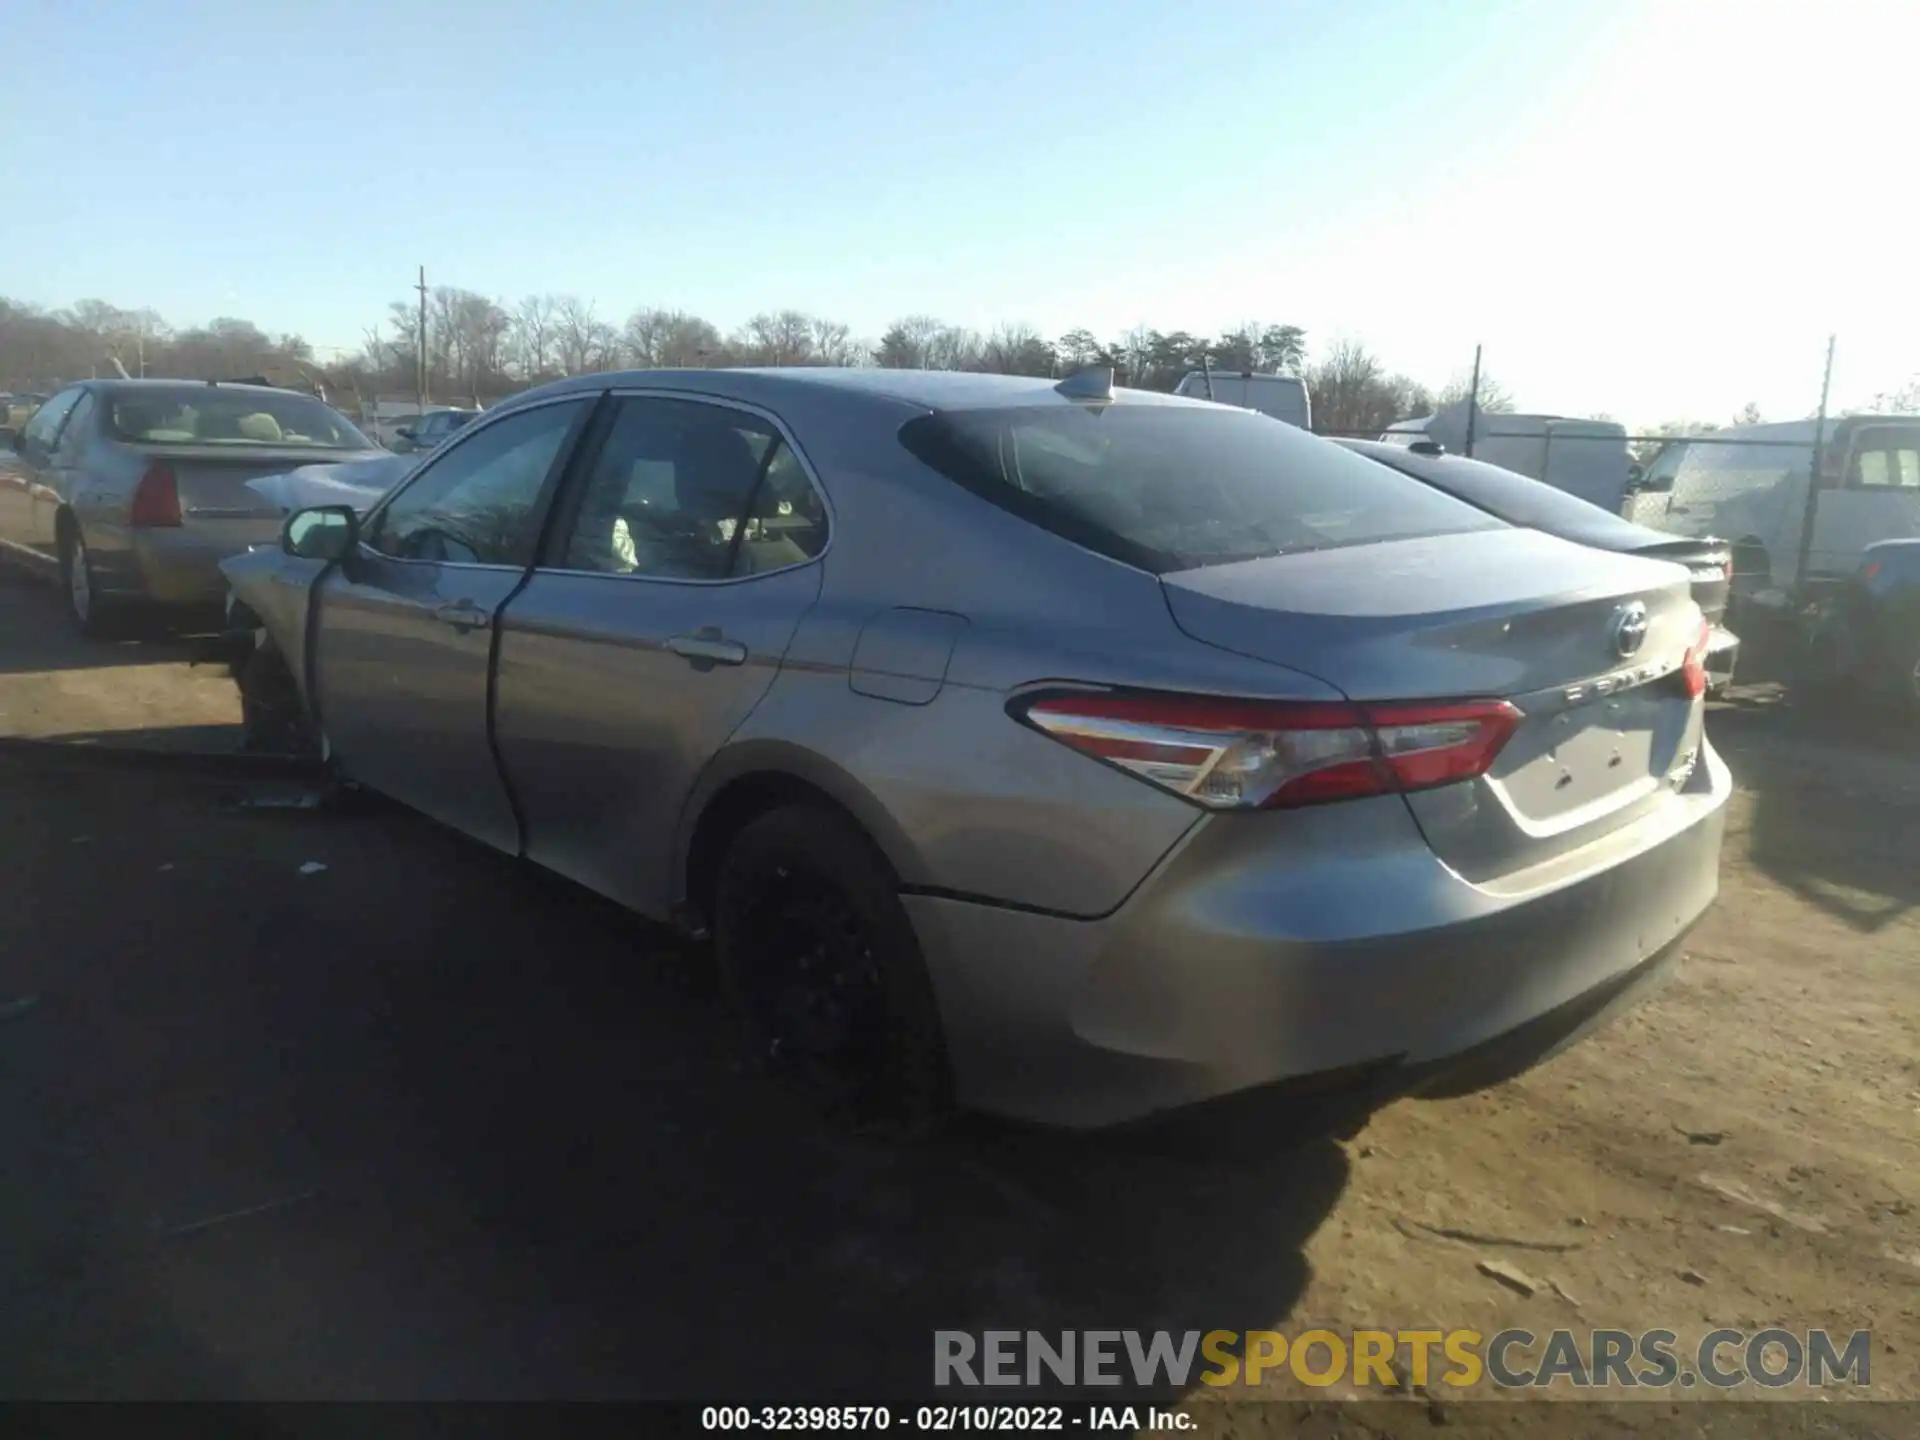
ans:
(463, 615)
(708, 645)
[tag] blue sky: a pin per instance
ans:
(1642, 209)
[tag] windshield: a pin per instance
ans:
(1167, 487)
(210, 415)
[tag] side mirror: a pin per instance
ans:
(405, 432)
(326, 532)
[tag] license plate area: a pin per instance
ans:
(1581, 761)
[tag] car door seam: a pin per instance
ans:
(555, 492)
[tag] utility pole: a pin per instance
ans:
(1473, 401)
(1813, 476)
(420, 379)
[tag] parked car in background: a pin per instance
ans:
(133, 491)
(1586, 458)
(1752, 485)
(17, 407)
(1067, 752)
(1521, 501)
(1864, 635)
(430, 430)
(1284, 397)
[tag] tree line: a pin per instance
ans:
(478, 350)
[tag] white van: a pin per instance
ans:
(1284, 397)
(1587, 458)
(1750, 485)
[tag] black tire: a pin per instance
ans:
(273, 717)
(821, 964)
(94, 616)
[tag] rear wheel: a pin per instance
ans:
(89, 609)
(822, 965)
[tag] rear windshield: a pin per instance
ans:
(1519, 500)
(208, 415)
(1168, 487)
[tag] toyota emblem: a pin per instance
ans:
(1629, 629)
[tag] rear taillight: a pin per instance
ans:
(156, 499)
(1265, 754)
(1871, 570)
(1693, 670)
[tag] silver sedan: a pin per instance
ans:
(1071, 753)
(132, 492)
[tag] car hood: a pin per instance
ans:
(359, 483)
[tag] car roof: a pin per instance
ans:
(134, 387)
(933, 389)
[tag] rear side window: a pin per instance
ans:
(1165, 487)
(685, 490)
(1887, 459)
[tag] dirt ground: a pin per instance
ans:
(423, 1124)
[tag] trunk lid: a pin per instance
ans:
(1706, 562)
(212, 479)
(1509, 614)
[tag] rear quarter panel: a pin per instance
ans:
(964, 799)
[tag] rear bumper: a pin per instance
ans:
(1307, 949)
(181, 566)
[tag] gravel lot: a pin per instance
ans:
(423, 1123)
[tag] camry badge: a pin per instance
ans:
(1629, 629)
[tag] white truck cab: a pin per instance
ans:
(1750, 485)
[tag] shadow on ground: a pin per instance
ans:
(38, 635)
(1836, 808)
(415, 1124)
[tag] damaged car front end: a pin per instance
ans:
(265, 599)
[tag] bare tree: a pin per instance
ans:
(1903, 401)
(1352, 393)
(532, 335)
(602, 346)
(691, 343)
(575, 337)
(908, 343)
(1077, 348)
(1495, 398)
(644, 336)
(833, 344)
(782, 337)
(1137, 349)
(1017, 350)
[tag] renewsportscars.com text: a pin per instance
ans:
(1509, 1359)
